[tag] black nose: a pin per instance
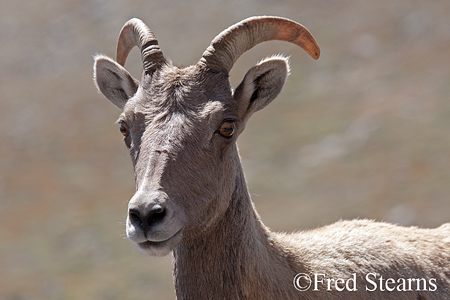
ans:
(154, 215)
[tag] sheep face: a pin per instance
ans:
(182, 161)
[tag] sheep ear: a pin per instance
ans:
(114, 81)
(261, 85)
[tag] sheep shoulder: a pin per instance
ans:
(363, 246)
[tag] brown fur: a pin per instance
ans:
(191, 197)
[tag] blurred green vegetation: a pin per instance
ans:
(360, 133)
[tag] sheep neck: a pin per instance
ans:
(239, 257)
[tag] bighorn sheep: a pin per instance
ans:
(181, 124)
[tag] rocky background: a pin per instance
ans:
(361, 133)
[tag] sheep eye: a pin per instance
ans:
(227, 129)
(123, 127)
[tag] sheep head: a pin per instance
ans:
(181, 124)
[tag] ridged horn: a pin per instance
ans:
(231, 43)
(136, 33)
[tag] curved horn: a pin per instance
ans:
(231, 43)
(136, 33)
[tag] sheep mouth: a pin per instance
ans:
(161, 248)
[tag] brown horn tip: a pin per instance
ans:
(231, 43)
(136, 33)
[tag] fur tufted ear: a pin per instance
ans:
(114, 81)
(261, 85)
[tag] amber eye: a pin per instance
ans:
(227, 128)
(124, 129)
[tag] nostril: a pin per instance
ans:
(157, 213)
(135, 218)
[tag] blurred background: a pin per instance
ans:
(361, 133)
